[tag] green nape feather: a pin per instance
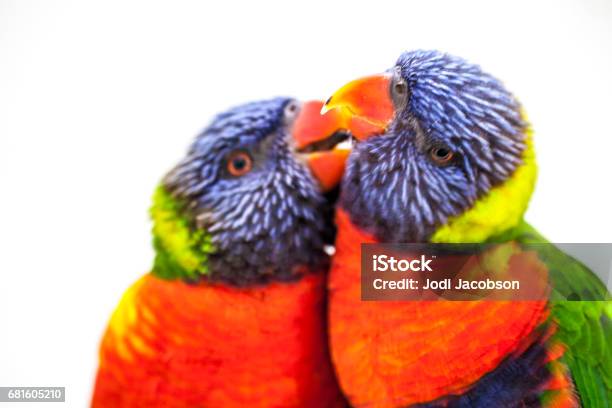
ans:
(584, 326)
(181, 251)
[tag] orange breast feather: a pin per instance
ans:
(399, 353)
(173, 344)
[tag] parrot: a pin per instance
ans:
(232, 313)
(443, 153)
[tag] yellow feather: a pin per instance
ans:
(124, 318)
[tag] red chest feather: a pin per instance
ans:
(400, 353)
(174, 344)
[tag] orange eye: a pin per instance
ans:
(441, 155)
(239, 164)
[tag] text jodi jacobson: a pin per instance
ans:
(389, 264)
(413, 284)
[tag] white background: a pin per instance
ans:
(97, 101)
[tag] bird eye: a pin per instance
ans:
(239, 164)
(399, 90)
(291, 110)
(441, 155)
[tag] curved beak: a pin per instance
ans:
(317, 137)
(364, 104)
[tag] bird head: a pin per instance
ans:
(440, 147)
(248, 203)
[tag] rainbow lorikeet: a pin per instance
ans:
(444, 155)
(232, 313)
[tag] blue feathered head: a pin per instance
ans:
(436, 133)
(245, 186)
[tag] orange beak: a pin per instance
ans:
(365, 105)
(309, 128)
